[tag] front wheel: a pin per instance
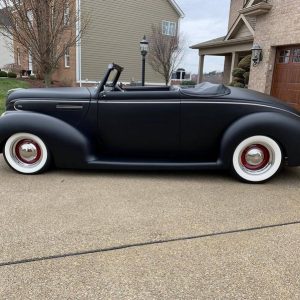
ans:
(26, 153)
(256, 159)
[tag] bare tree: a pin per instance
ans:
(165, 52)
(46, 29)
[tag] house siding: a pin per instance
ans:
(281, 26)
(6, 56)
(114, 34)
(243, 32)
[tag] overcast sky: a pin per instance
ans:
(204, 20)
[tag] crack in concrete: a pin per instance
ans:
(135, 245)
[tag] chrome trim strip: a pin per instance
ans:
(51, 101)
(62, 106)
(139, 102)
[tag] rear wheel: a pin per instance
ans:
(257, 159)
(26, 153)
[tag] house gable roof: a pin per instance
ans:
(221, 42)
(177, 8)
(240, 23)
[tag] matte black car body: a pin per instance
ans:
(149, 127)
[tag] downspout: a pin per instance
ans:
(78, 43)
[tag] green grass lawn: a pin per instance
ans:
(8, 84)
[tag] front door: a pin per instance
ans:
(286, 78)
(138, 124)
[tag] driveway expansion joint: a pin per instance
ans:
(135, 245)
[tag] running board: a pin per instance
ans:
(141, 165)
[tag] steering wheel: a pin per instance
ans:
(119, 87)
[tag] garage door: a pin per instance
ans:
(286, 78)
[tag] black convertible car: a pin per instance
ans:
(114, 127)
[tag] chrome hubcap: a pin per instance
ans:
(254, 157)
(26, 152)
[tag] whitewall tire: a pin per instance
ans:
(26, 153)
(257, 159)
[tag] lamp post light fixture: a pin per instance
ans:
(257, 55)
(144, 46)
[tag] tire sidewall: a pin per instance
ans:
(39, 167)
(269, 173)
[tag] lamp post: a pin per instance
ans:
(144, 46)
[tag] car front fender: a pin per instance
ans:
(282, 127)
(68, 146)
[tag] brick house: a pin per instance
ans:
(114, 33)
(274, 25)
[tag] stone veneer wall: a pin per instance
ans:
(279, 27)
(235, 6)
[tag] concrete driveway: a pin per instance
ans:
(131, 235)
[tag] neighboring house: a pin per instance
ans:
(274, 26)
(6, 54)
(114, 33)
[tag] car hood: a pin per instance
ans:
(51, 94)
(238, 94)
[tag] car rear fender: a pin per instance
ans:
(282, 127)
(63, 140)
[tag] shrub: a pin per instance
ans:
(237, 79)
(238, 72)
(3, 74)
(14, 68)
(246, 76)
(11, 75)
(32, 77)
(239, 85)
(245, 63)
(188, 82)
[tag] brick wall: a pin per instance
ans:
(23, 56)
(236, 5)
(281, 26)
(67, 75)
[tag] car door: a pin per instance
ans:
(139, 124)
(203, 123)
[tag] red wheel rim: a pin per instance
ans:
(32, 148)
(264, 152)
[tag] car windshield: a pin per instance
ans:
(112, 76)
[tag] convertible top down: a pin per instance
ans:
(116, 127)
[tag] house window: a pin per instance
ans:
(284, 56)
(18, 57)
(168, 28)
(67, 57)
(67, 15)
(296, 55)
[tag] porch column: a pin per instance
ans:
(201, 67)
(234, 63)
